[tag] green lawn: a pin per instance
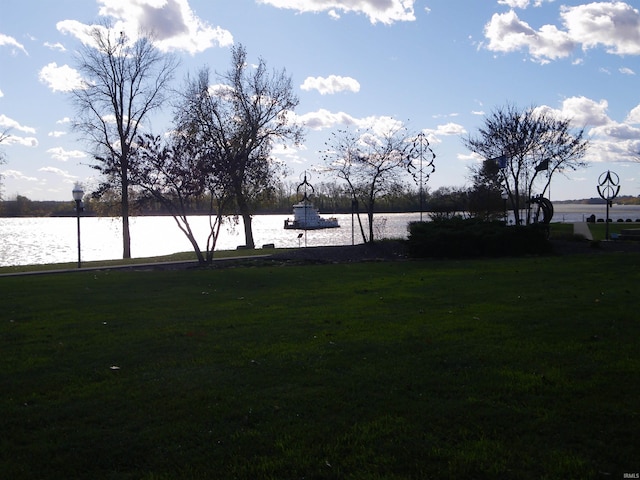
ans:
(598, 230)
(510, 368)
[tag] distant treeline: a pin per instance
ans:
(622, 200)
(329, 198)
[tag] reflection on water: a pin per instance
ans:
(26, 241)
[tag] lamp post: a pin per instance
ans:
(505, 197)
(78, 193)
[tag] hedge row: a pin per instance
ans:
(457, 237)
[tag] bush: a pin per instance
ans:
(458, 237)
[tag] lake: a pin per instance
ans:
(25, 241)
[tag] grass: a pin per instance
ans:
(598, 229)
(175, 257)
(511, 368)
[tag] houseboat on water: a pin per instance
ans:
(305, 215)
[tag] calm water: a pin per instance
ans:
(25, 241)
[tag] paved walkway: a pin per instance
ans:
(582, 228)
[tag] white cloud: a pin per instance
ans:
(607, 149)
(379, 125)
(60, 79)
(521, 3)
(6, 40)
(634, 116)
(507, 33)
(383, 11)
(617, 131)
(57, 171)
(22, 141)
(445, 115)
(448, 129)
(55, 46)
(626, 71)
(18, 175)
(56, 134)
(76, 29)
(59, 153)
(286, 154)
(609, 140)
(323, 119)
(172, 22)
(585, 112)
(331, 84)
(514, 3)
(11, 124)
(1, 94)
(613, 25)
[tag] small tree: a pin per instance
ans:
(238, 121)
(178, 174)
(123, 82)
(529, 146)
(485, 196)
(371, 165)
(448, 202)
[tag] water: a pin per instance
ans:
(25, 241)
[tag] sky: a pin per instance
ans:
(436, 66)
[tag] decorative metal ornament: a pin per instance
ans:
(608, 188)
(608, 185)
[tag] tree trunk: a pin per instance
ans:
(196, 249)
(126, 236)
(248, 230)
(245, 213)
(364, 236)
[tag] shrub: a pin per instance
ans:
(458, 237)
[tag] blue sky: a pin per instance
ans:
(436, 66)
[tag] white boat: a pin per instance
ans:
(305, 215)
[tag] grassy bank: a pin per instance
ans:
(175, 257)
(510, 368)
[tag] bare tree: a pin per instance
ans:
(371, 165)
(178, 174)
(124, 80)
(529, 146)
(238, 120)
